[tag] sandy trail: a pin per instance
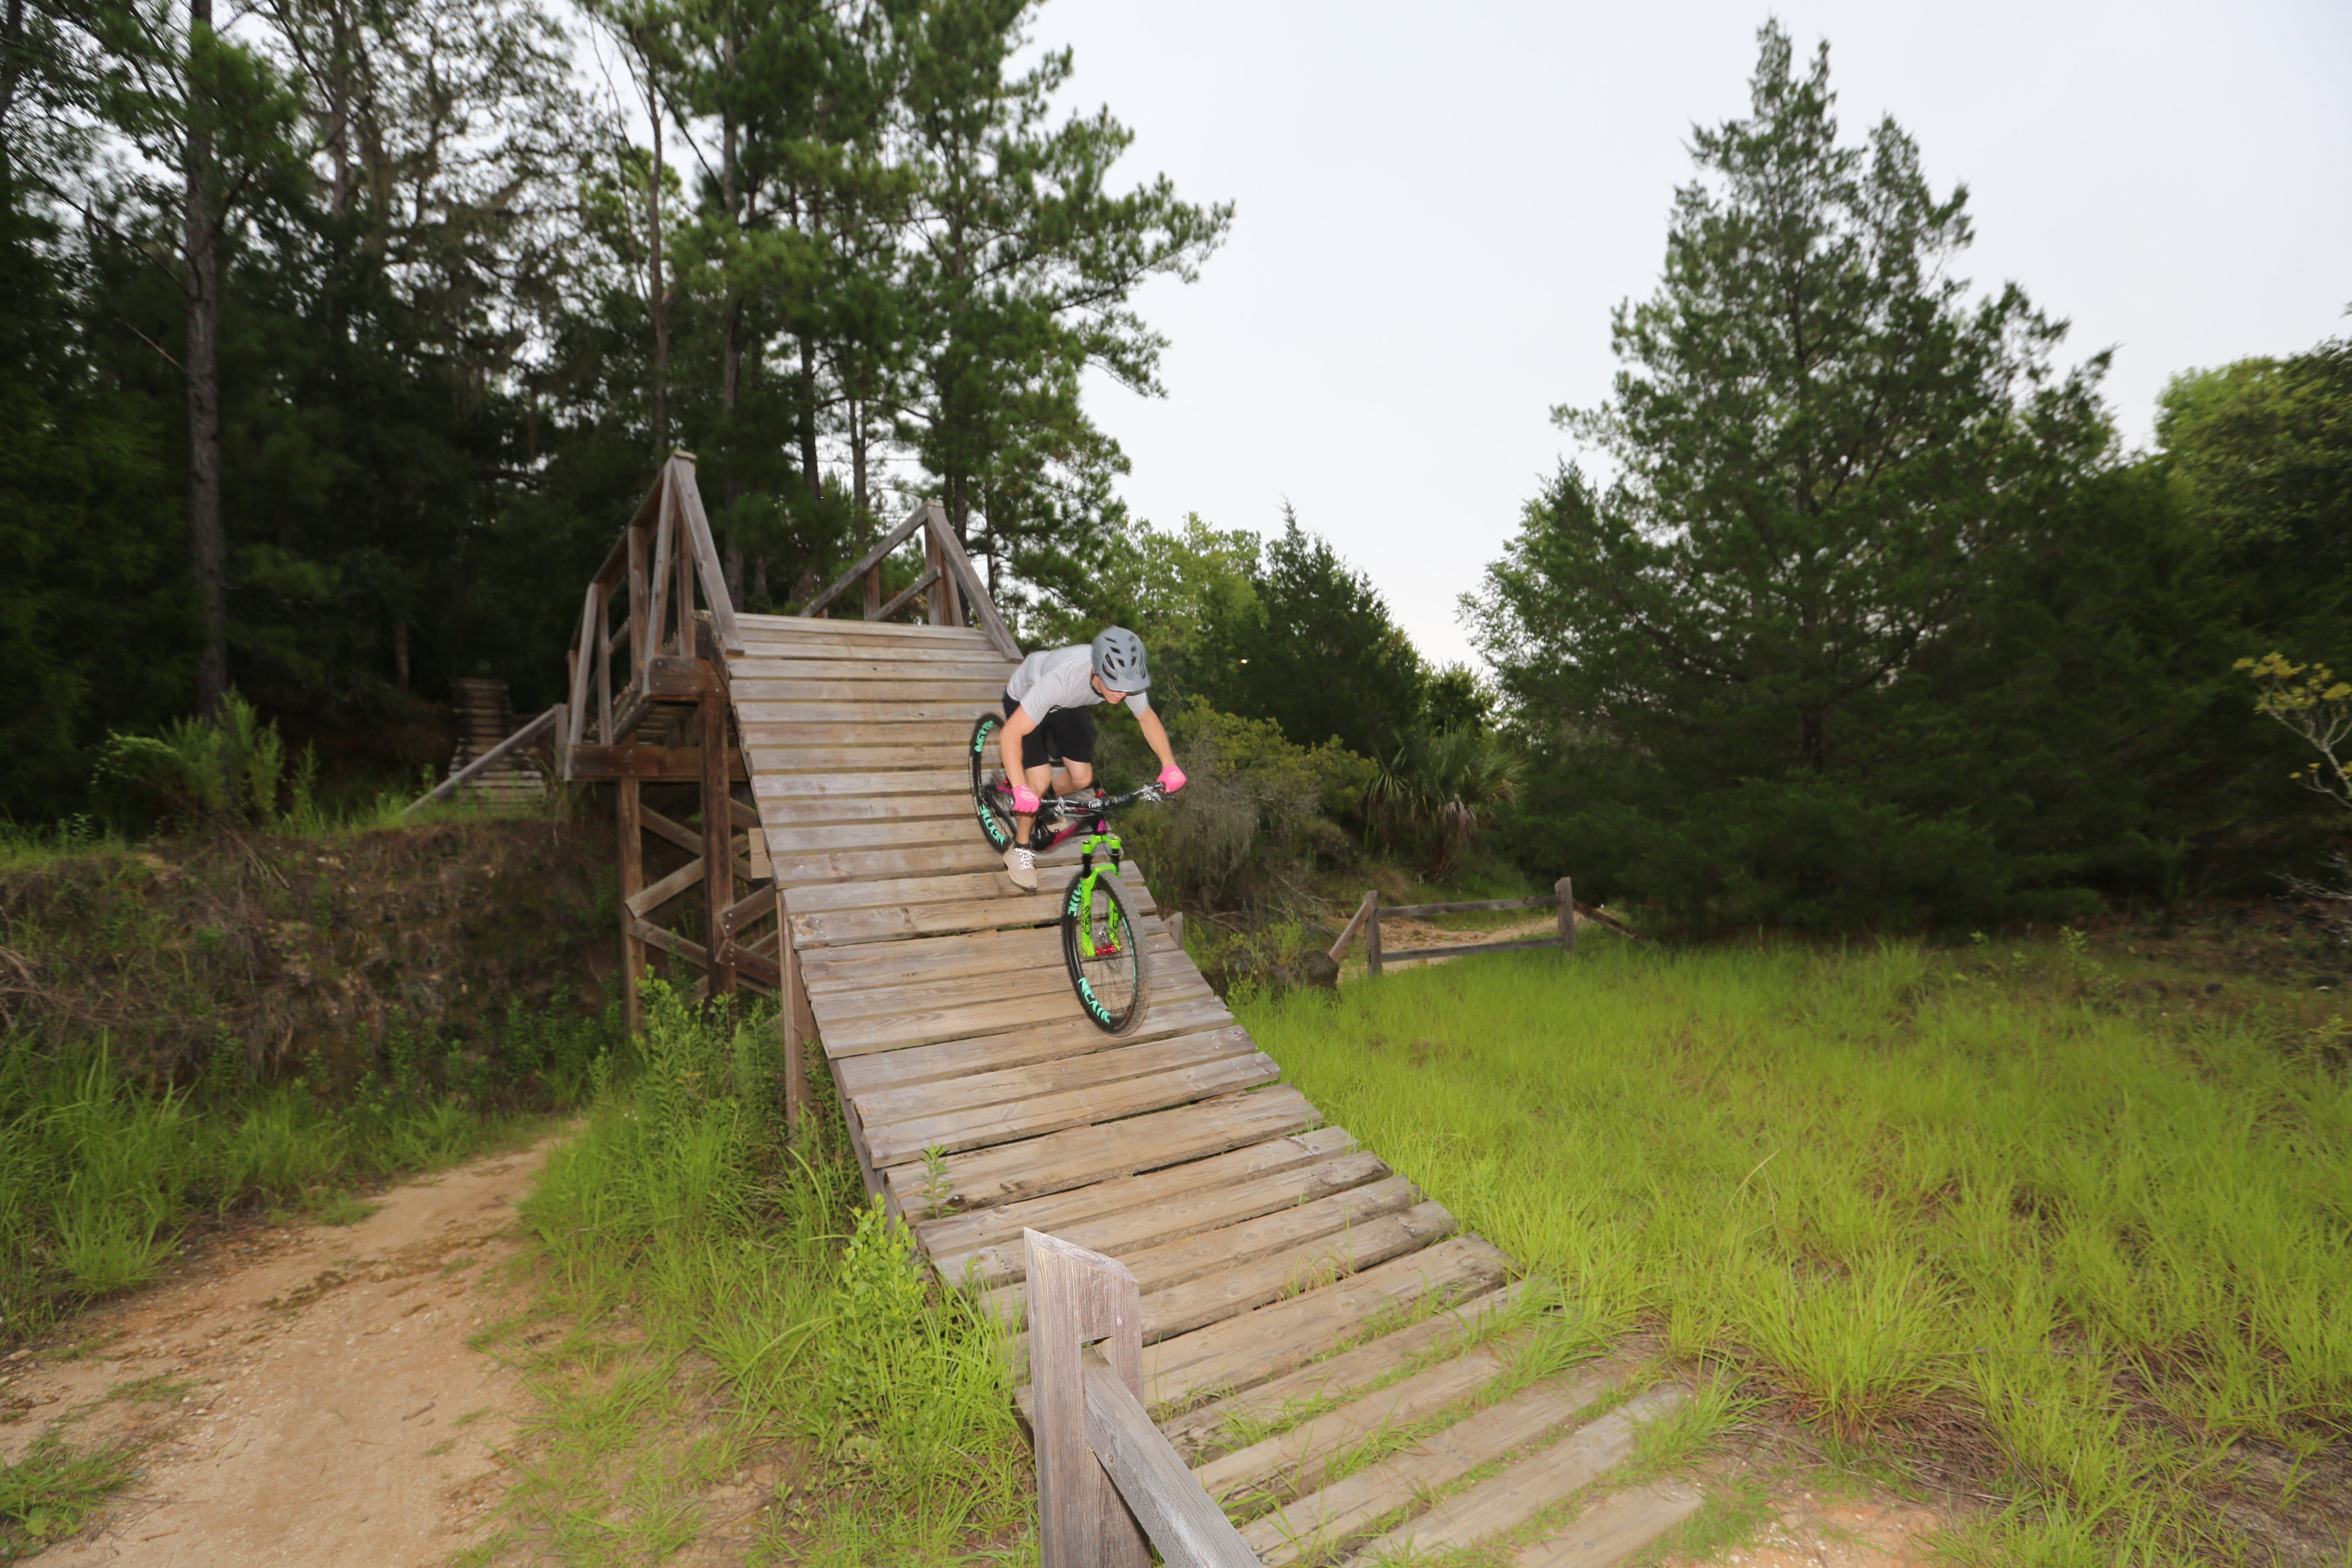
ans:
(331, 1410)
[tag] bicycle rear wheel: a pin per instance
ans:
(1104, 952)
(992, 798)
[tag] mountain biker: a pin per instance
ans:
(1046, 717)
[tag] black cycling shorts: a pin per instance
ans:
(1067, 735)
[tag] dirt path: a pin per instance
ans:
(312, 1396)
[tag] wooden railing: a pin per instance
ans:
(651, 577)
(1366, 922)
(947, 583)
(1108, 1481)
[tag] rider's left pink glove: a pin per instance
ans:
(1025, 801)
(1172, 778)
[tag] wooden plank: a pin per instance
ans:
(883, 730)
(882, 705)
(786, 842)
(1079, 1156)
(706, 558)
(782, 655)
(822, 629)
(1046, 1113)
(1181, 1518)
(633, 882)
(897, 1031)
(663, 891)
(1616, 1528)
(820, 810)
(1294, 1461)
(770, 787)
(1056, 1040)
(1199, 1279)
(973, 1095)
(1354, 923)
(1543, 901)
(882, 896)
(1202, 1427)
(1273, 1340)
(881, 670)
(1076, 1296)
(864, 758)
(1507, 1501)
(967, 695)
(944, 1006)
(1348, 1250)
(866, 562)
(669, 942)
(985, 1248)
(1315, 1524)
(954, 957)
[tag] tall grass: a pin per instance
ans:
(1950, 1216)
(101, 1171)
(717, 1294)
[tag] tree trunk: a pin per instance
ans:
(207, 544)
(857, 457)
(12, 46)
(815, 480)
(400, 655)
(659, 292)
(730, 355)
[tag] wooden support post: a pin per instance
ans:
(682, 548)
(874, 592)
(1373, 933)
(793, 1017)
(718, 834)
(1078, 1297)
(935, 603)
(1566, 889)
(1354, 923)
(633, 882)
(639, 604)
(1175, 923)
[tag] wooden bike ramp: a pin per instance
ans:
(1310, 1314)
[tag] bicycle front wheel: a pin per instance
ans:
(992, 796)
(1104, 951)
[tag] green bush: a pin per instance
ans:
(229, 768)
(1255, 817)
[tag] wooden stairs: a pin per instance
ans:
(1322, 1341)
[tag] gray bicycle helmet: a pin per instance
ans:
(1119, 659)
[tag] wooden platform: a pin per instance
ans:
(1285, 1270)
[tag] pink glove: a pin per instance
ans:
(1172, 778)
(1025, 801)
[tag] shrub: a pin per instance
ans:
(1254, 818)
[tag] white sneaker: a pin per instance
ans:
(1021, 865)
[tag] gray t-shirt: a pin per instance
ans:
(1061, 678)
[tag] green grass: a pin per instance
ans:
(709, 1298)
(1980, 1218)
(46, 1495)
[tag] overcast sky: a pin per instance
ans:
(1438, 207)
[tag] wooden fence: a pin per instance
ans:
(1108, 1481)
(1366, 922)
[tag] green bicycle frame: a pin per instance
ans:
(1082, 891)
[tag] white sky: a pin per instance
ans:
(1438, 207)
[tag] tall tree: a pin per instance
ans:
(1313, 648)
(1022, 271)
(1831, 465)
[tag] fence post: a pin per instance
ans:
(1175, 923)
(1078, 1297)
(1372, 934)
(1566, 889)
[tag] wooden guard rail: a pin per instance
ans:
(1108, 1481)
(948, 582)
(1367, 922)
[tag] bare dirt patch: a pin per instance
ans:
(305, 1393)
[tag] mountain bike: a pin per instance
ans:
(1102, 946)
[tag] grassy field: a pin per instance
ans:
(2007, 1221)
(720, 1330)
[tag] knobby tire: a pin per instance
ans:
(1113, 985)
